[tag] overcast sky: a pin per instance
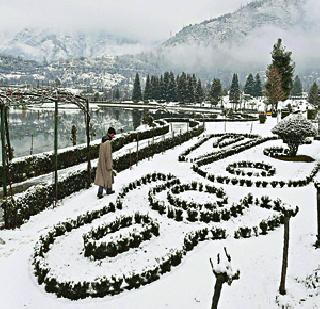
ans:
(143, 19)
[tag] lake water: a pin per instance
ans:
(23, 124)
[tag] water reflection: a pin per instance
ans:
(24, 123)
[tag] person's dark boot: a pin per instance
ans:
(100, 196)
(110, 191)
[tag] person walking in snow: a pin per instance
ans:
(105, 173)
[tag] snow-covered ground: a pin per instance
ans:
(191, 284)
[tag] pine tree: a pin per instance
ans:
(234, 94)
(281, 60)
(257, 86)
(199, 94)
(136, 93)
(147, 90)
(215, 91)
(249, 87)
(182, 87)
(274, 90)
(313, 97)
(116, 94)
(172, 88)
(166, 80)
(161, 89)
(297, 87)
(190, 89)
(154, 88)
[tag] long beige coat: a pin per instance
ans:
(104, 174)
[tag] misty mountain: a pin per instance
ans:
(50, 44)
(243, 40)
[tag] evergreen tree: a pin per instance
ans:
(215, 91)
(281, 60)
(147, 90)
(182, 87)
(313, 97)
(161, 89)
(274, 90)
(249, 87)
(190, 89)
(172, 88)
(234, 94)
(136, 93)
(166, 80)
(297, 87)
(116, 94)
(154, 88)
(257, 86)
(199, 94)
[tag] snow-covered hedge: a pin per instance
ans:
(39, 197)
(183, 156)
(227, 140)
(247, 182)
(180, 210)
(222, 154)
(276, 152)
(39, 164)
(237, 169)
(98, 249)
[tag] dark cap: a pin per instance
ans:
(111, 130)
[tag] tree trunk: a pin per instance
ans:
(216, 295)
(293, 149)
(282, 288)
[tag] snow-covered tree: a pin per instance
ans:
(147, 90)
(234, 94)
(136, 93)
(313, 97)
(281, 60)
(257, 86)
(274, 90)
(215, 91)
(294, 130)
(199, 94)
(297, 87)
(250, 85)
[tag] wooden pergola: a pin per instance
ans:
(10, 97)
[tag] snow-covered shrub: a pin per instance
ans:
(294, 130)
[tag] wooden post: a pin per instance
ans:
(130, 160)
(171, 129)
(4, 154)
(55, 153)
(6, 122)
(282, 288)
(87, 118)
(317, 244)
(31, 149)
(137, 148)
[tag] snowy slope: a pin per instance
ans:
(51, 44)
(235, 27)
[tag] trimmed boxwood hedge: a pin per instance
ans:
(97, 249)
(36, 199)
(183, 156)
(40, 164)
